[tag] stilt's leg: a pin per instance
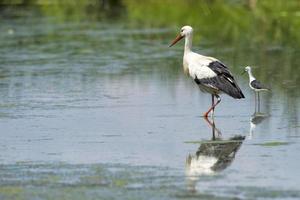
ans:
(255, 100)
(213, 107)
(258, 99)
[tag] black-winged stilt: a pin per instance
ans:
(209, 73)
(255, 85)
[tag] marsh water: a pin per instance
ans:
(102, 110)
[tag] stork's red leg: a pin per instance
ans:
(213, 106)
(255, 100)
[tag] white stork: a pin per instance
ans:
(209, 73)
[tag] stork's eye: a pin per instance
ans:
(181, 30)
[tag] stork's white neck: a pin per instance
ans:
(251, 77)
(188, 43)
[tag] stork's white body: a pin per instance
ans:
(196, 66)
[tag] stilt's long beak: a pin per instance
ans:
(179, 37)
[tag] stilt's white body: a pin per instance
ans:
(252, 78)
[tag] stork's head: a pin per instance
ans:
(184, 32)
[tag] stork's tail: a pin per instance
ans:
(236, 92)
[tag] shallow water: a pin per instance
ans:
(93, 110)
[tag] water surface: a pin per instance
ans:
(94, 109)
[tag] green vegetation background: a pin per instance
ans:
(257, 30)
(272, 22)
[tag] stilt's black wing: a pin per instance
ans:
(257, 85)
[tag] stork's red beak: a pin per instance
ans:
(179, 37)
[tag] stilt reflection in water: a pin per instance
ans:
(255, 119)
(212, 156)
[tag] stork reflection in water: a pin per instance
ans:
(212, 156)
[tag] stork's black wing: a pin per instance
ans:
(220, 69)
(224, 80)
